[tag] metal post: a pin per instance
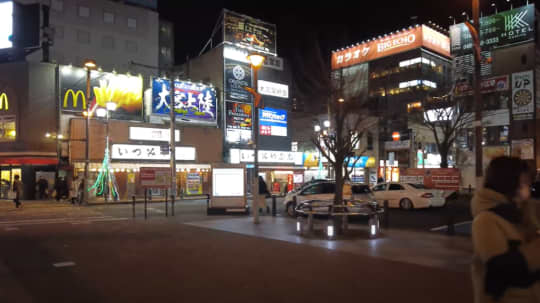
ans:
(87, 145)
(172, 205)
(477, 97)
(133, 206)
(274, 210)
(172, 138)
(145, 201)
(166, 204)
(256, 155)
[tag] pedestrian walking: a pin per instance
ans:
(74, 190)
(506, 243)
(17, 188)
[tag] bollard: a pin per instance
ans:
(386, 214)
(133, 206)
(172, 205)
(145, 201)
(274, 210)
(166, 204)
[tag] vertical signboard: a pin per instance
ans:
(237, 77)
(6, 24)
(238, 122)
(522, 95)
(193, 184)
(193, 102)
(250, 33)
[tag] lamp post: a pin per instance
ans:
(90, 65)
(105, 112)
(256, 61)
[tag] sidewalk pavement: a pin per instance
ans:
(420, 248)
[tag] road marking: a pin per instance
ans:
(49, 220)
(446, 226)
(11, 228)
(73, 221)
(64, 264)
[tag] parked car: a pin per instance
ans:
(323, 191)
(408, 195)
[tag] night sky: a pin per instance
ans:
(333, 23)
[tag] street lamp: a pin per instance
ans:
(495, 6)
(326, 123)
(317, 128)
(465, 14)
(452, 18)
(256, 62)
(90, 65)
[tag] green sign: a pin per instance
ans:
(508, 27)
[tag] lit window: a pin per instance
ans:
(108, 17)
(132, 22)
(7, 128)
(84, 11)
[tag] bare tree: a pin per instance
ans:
(339, 94)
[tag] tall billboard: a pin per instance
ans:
(523, 95)
(508, 27)
(237, 77)
(124, 90)
(250, 33)
(272, 122)
(193, 102)
(420, 36)
(238, 122)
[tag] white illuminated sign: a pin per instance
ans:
(266, 156)
(273, 89)
(152, 134)
(149, 152)
(239, 54)
(228, 182)
(6, 24)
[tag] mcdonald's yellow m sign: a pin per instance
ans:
(4, 102)
(75, 97)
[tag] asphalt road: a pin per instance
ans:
(71, 254)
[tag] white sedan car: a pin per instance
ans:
(408, 195)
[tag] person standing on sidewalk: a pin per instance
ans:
(17, 188)
(506, 262)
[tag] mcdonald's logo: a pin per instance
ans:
(4, 102)
(75, 97)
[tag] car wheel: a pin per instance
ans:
(406, 204)
(291, 209)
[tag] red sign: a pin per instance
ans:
(437, 178)
(489, 85)
(420, 36)
(155, 177)
(289, 183)
(395, 136)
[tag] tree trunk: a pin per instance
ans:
(444, 157)
(338, 199)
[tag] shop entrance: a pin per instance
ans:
(7, 176)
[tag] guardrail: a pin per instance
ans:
(166, 200)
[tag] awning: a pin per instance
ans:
(29, 160)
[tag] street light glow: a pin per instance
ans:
(256, 60)
(341, 100)
(317, 128)
(90, 64)
(326, 123)
(111, 106)
(101, 112)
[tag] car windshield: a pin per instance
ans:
(417, 186)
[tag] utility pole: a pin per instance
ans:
(172, 115)
(477, 97)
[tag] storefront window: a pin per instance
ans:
(7, 128)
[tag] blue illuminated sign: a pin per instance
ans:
(272, 122)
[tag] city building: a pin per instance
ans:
(227, 67)
(400, 72)
(508, 88)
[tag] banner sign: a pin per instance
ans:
(237, 77)
(522, 95)
(193, 184)
(152, 134)
(155, 177)
(436, 178)
(272, 122)
(393, 44)
(504, 28)
(361, 162)
(273, 89)
(239, 115)
(489, 85)
(149, 152)
(124, 90)
(244, 31)
(194, 102)
(266, 156)
(310, 159)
